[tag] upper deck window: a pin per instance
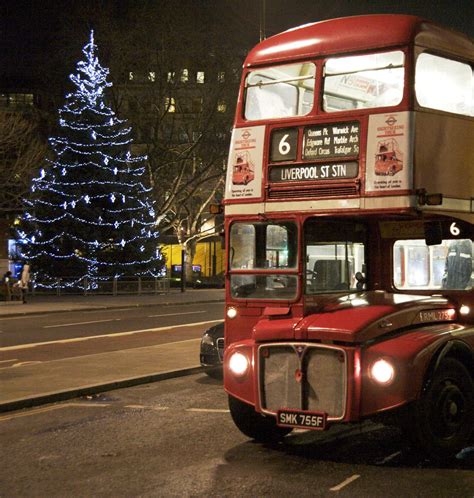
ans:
(280, 91)
(444, 84)
(363, 81)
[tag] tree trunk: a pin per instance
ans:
(190, 253)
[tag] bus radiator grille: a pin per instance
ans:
(320, 388)
(299, 191)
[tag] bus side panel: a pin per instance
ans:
(444, 155)
(411, 355)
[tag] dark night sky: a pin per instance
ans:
(28, 27)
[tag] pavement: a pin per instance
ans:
(57, 380)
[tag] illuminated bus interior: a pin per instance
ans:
(448, 265)
(363, 81)
(280, 91)
(263, 246)
(334, 256)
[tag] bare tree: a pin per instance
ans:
(179, 89)
(21, 153)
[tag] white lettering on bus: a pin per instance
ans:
(299, 173)
(288, 418)
(311, 142)
(339, 131)
(342, 149)
(339, 170)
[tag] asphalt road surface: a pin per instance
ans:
(176, 438)
(56, 326)
(63, 335)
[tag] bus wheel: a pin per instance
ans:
(253, 424)
(442, 420)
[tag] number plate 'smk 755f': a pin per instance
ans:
(301, 419)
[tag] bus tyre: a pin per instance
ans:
(253, 424)
(442, 421)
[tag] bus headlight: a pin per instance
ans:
(464, 310)
(382, 371)
(231, 312)
(238, 364)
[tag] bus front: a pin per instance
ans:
(329, 266)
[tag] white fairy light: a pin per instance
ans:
(60, 232)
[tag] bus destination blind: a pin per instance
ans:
(314, 172)
(331, 141)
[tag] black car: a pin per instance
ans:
(212, 350)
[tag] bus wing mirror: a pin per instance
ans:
(433, 234)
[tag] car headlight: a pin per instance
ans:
(207, 339)
(382, 371)
(238, 364)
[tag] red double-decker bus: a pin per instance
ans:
(349, 285)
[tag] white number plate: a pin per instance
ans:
(301, 419)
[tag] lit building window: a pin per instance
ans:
(184, 76)
(221, 77)
(200, 77)
(221, 106)
(16, 99)
(170, 77)
(152, 76)
(170, 104)
(130, 76)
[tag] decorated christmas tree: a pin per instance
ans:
(89, 213)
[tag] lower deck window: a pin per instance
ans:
(448, 265)
(335, 256)
(275, 286)
(270, 248)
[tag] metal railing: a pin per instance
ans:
(113, 286)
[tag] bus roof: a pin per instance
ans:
(354, 34)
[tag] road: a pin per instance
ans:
(176, 438)
(62, 335)
(58, 326)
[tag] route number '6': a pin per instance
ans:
(284, 147)
(454, 229)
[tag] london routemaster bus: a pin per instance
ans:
(349, 285)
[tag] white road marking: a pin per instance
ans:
(345, 483)
(80, 323)
(104, 310)
(147, 407)
(389, 457)
(110, 336)
(23, 363)
(179, 314)
(22, 317)
(208, 410)
(35, 411)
